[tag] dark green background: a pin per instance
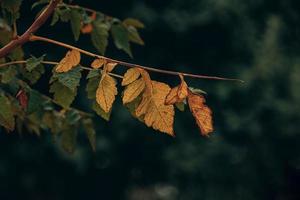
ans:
(254, 152)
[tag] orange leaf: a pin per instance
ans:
(98, 63)
(177, 94)
(71, 60)
(201, 113)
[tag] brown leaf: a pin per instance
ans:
(177, 94)
(183, 89)
(133, 90)
(130, 76)
(106, 92)
(98, 63)
(201, 113)
(71, 60)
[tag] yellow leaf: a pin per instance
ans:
(156, 114)
(71, 60)
(130, 76)
(98, 63)
(133, 90)
(106, 92)
(110, 66)
(201, 113)
(177, 94)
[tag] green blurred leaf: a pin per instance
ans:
(121, 38)
(35, 101)
(133, 22)
(7, 74)
(76, 19)
(90, 132)
(7, 119)
(99, 36)
(134, 36)
(68, 139)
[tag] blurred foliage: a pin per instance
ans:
(254, 152)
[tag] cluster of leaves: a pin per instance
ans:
(151, 102)
(23, 107)
(98, 26)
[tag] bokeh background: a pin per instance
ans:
(253, 154)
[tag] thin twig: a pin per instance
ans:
(43, 39)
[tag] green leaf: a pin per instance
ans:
(53, 121)
(134, 36)
(70, 79)
(55, 17)
(133, 22)
(35, 74)
(68, 139)
(7, 74)
(7, 119)
(65, 14)
(99, 36)
(90, 132)
(33, 62)
(100, 111)
(76, 19)
(62, 94)
(92, 86)
(35, 102)
(121, 38)
(93, 73)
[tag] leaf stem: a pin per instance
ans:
(126, 64)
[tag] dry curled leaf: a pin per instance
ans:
(106, 92)
(133, 90)
(177, 94)
(201, 113)
(98, 63)
(71, 60)
(130, 76)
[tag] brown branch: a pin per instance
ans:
(32, 29)
(43, 39)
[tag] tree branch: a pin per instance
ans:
(126, 64)
(32, 29)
